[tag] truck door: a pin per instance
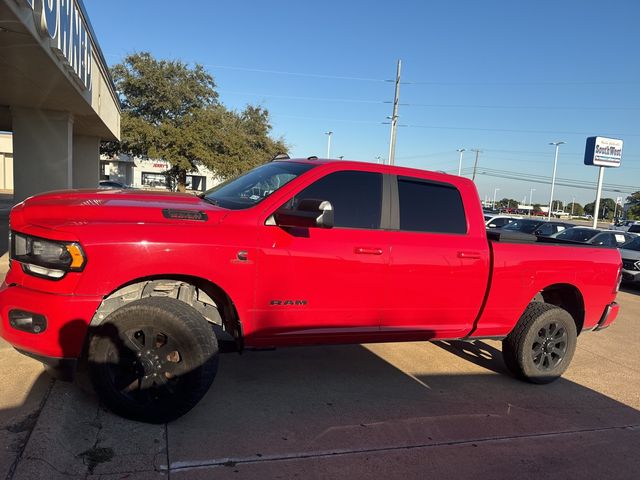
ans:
(439, 261)
(325, 281)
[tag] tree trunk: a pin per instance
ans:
(182, 180)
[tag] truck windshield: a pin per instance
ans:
(254, 186)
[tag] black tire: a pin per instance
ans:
(542, 344)
(152, 360)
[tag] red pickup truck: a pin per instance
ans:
(139, 286)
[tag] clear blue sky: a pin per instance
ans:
(506, 77)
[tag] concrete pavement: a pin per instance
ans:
(372, 411)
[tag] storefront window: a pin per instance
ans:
(154, 180)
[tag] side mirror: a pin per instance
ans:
(310, 213)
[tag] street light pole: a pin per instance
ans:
(328, 134)
(573, 204)
(495, 191)
(461, 150)
(531, 190)
(553, 178)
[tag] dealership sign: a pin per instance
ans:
(62, 23)
(603, 152)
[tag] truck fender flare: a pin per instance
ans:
(211, 301)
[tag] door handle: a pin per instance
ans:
(472, 255)
(368, 251)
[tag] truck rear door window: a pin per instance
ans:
(430, 207)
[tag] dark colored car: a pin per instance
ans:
(539, 228)
(594, 236)
(630, 253)
(112, 184)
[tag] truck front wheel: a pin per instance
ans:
(542, 344)
(152, 360)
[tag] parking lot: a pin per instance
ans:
(361, 411)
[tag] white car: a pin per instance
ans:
(498, 221)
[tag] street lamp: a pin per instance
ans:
(328, 134)
(553, 179)
(461, 150)
(495, 191)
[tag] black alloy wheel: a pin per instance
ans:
(540, 347)
(153, 359)
(550, 347)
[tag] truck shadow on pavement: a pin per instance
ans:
(358, 411)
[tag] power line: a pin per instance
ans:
(513, 130)
(515, 107)
(294, 97)
(628, 189)
(297, 74)
(524, 84)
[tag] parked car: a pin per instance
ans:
(630, 253)
(594, 236)
(626, 225)
(136, 283)
(539, 228)
(112, 184)
(498, 221)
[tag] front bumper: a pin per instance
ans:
(608, 316)
(67, 321)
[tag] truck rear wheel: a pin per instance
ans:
(152, 360)
(542, 344)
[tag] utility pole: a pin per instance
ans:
(573, 204)
(461, 150)
(475, 165)
(394, 117)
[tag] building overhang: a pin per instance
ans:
(50, 60)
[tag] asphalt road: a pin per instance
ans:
(411, 410)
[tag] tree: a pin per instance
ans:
(507, 203)
(633, 213)
(171, 111)
(607, 207)
(576, 208)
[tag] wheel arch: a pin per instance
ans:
(567, 297)
(205, 296)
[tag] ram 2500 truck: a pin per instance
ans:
(134, 284)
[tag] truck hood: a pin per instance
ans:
(74, 207)
(629, 254)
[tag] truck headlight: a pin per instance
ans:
(46, 258)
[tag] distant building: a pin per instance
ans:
(149, 173)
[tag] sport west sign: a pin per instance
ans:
(61, 22)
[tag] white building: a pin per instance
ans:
(150, 174)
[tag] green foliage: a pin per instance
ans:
(576, 208)
(633, 213)
(171, 111)
(607, 208)
(507, 203)
(536, 207)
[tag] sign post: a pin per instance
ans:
(602, 152)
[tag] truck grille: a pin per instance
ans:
(630, 265)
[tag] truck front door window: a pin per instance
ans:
(356, 198)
